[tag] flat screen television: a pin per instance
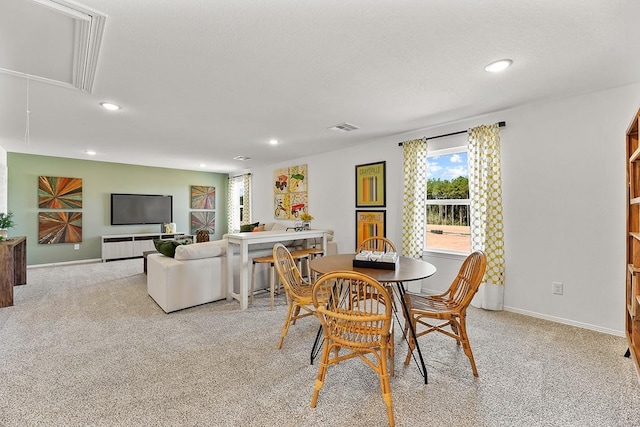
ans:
(129, 209)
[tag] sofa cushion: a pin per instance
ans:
(248, 227)
(168, 247)
(201, 250)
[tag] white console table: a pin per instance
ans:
(243, 240)
(119, 246)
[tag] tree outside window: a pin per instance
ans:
(448, 226)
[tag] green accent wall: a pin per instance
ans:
(99, 180)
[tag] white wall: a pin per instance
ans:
(563, 192)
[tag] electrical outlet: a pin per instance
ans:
(556, 288)
(76, 246)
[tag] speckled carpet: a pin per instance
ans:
(84, 345)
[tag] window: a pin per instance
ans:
(447, 215)
(235, 203)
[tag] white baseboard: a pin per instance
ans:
(556, 319)
(53, 264)
(566, 321)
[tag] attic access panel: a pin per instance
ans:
(55, 42)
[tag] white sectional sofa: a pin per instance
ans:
(198, 274)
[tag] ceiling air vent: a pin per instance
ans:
(344, 127)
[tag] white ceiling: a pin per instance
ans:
(203, 81)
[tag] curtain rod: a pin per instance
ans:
(238, 176)
(500, 124)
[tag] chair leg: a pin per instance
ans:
(392, 352)
(322, 372)
(285, 328)
(411, 344)
(296, 312)
(253, 281)
(466, 346)
(386, 387)
(272, 272)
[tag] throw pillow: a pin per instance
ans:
(201, 250)
(248, 227)
(168, 247)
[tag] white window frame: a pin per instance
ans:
(236, 217)
(467, 202)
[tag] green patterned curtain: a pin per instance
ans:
(233, 223)
(246, 210)
(485, 192)
(415, 197)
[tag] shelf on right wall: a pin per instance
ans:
(632, 298)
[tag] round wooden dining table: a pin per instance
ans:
(407, 270)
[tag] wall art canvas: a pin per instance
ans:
(203, 220)
(370, 185)
(282, 206)
(299, 204)
(298, 179)
(281, 181)
(370, 224)
(203, 197)
(290, 196)
(59, 193)
(59, 227)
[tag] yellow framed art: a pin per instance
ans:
(370, 224)
(370, 185)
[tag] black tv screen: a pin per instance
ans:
(141, 209)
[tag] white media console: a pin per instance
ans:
(119, 246)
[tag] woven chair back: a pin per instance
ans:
(468, 280)
(358, 311)
(288, 270)
(377, 244)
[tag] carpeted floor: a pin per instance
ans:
(85, 345)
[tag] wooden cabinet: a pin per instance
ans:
(632, 302)
(13, 267)
(133, 245)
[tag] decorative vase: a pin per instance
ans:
(4, 233)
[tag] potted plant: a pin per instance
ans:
(6, 222)
(306, 220)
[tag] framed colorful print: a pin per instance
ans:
(370, 224)
(59, 227)
(282, 206)
(203, 220)
(370, 185)
(299, 203)
(59, 193)
(298, 179)
(281, 181)
(203, 197)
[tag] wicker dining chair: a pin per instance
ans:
(450, 307)
(298, 290)
(376, 243)
(355, 313)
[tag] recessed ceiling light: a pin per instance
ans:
(109, 106)
(202, 165)
(91, 152)
(242, 158)
(497, 66)
(273, 141)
